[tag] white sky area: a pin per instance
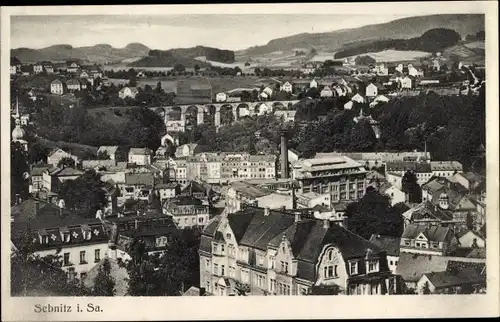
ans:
(234, 32)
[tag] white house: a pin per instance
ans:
(128, 92)
(406, 82)
(268, 91)
(263, 109)
(263, 95)
(348, 105)
(395, 194)
(73, 85)
(37, 68)
(399, 68)
(326, 92)
(358, 98)
(471, 239)
(287, 87)
(221, 97)
(58, 154)
(313, 83)
(381, 70)
(140, 156)
(57, 87)
(379, 99)
(371, 90)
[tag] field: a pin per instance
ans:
(396, 55)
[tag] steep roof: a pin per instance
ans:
(412, 266)
(109, 149)
(146, 179)
(140, 151)
(239, 222)
(433, 233)
(388, 243)
(117, 272)
(426, 210)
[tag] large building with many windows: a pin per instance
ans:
(258, 251)
(341, 177)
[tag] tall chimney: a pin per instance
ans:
(284, 155)
(294, 197)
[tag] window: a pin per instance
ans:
(222, 272)
(232, 271)
(82, 257)
(330, 255)
(228, 236)
(353, 268)
(372, 266)
(272, 262)
(66, 237)
(194, 220)
(244, 276)
(230, 250)
(260, 260)
(407, 243)
(284, 267)
(216, 269)
(215, 249)
(97, 255)
(66, 259)
(82, 276)
(222, 248)
(330, 271)
(207, 265)
(272, 285)
(391, 263)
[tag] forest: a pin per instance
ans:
(433, 40)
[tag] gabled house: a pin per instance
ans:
(58, 154)
(326, 92)
(27, 70)
(371, 90)
(287, 87)
(137, 186)
(53, 178)
(140, 156)
(391, 246)
(358, 98)
(15, 65)
(115, 153)
(407, 82)
(258, 251)
(128, 92)
(428, 239)
(72, 66)
(73, 85)
(48, 67)
(37, 68)
(167, 190)
(187, 211)
(313, 84)
(471, 239)
(57, 87)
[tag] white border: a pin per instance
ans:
(239, 308)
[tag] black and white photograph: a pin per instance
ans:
(304, 154)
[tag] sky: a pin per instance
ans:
(233, 32)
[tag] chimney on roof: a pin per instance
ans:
(267, 211)
(326, 223)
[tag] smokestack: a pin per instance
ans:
(294, 197)
(284, 155)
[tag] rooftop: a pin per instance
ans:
(433, 233)
(388, 243)
(330, 163)
(140, 151)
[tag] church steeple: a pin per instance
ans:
(19, 134)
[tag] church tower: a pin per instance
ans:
(19, 134)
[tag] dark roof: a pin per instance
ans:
(145, 179)
(194, 187)
(185, 200)
(67, 171)
(447, 279)
(427, 210)
(411, 266)
(168, 185)
(239, 223)
(406, 166)
(388, 243)
(431, 232)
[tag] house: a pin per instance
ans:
(73, 85)
(358, 99)
(36, 177)
(310, 199)
(287, 87)
(140, 156)
(268, 91)
(396, 195)
(395, 170)
(259, 251)
(26, 70)
(390, 245)
(445, 169)
(221, 97)
(48, 67)
(15, 65)
(128, 92)
(381, 70)
(187, 211)
(56, 155)
(286, 116)
(167, 190)
(141, 75)
(313, 84)
(407, 82)
(242, 193)
(379, 99)
(84, 74)
(458, 278)
(80, 242)
(371, 90)
(326, 92)
(188, 149)
(37, 68)
(95, 72)
(137, 186)
(53, 178)
(201, 90)
(72, 66)
(348, 105)
(57, 87)
(471, 239)
(470, 180)
(115, 153)
(430, 239)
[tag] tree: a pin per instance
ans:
(85, 194)
(426, 289)
(364, 60)
(19, 171)
(179, 68)
(470, 221)
(104, 283)
(66, 162)
(103, 155)
(373, 214)
(411, 188)
(196, 68)
(313, 51)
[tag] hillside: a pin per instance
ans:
(188, 57)
(464, 24)
(433, 40)
(101, 53)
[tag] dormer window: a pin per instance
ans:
(65, 235)
(353, 268)
(372, 266)
(86, 232)
(43, 236)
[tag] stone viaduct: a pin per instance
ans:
(249, 108)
